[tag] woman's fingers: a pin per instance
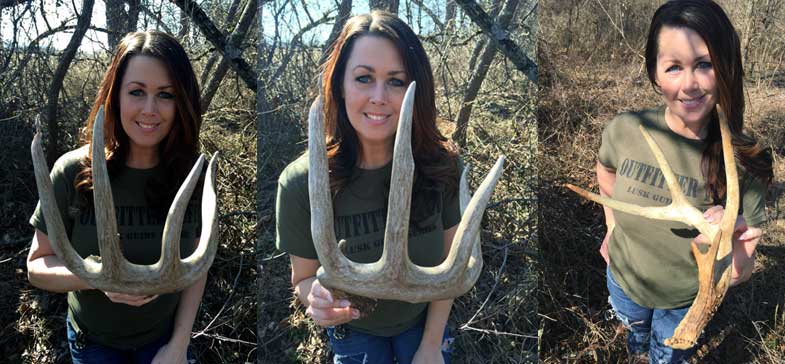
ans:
(326, 311)
(714, 214)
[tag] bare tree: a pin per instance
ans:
(478, 75)
(219, 41)
(501, 38)
(344, 12)
(119, 21)
(235, 39)
(387, 5)
(53, 93)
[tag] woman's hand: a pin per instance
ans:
(745, 241)
(326, 311)
(128, 299)
(604, 246)
(428, 355)
(171, 353)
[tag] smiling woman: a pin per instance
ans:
(151, 132)
(693, 61)
(365, 77)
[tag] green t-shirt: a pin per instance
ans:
(652, 259)
(360, 218)
(140, 227)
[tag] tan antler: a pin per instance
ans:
(394, 276)
(713, 265)
(111, 271)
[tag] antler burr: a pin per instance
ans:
(111, 271)
(713, 265)
(394, 276)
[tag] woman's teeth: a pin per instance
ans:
(376, 117)
(146, 126)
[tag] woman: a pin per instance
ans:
(364, 80)
(152, 118)
(693, 60)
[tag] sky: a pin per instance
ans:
(56, 13)
(59, 11)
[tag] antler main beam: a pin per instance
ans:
(394, 276)
(713, 265)
(111, 271)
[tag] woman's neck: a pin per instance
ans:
(375, 156)
(142, 158)
(696, 131)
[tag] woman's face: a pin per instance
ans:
(374, 84)
(685, 75)
(147, 102)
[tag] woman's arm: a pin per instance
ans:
(745, 242)
(46, 271)
(430, 349)
(323, 309)
(176, 349)
(606, 178)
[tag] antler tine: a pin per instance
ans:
(55, 230)
(396, 232)
(114, 265)
(333, 262)
(465, 252)
(169, 262)
(713, 266)
(728, 222)
(202, 258)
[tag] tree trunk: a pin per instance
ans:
(478, 75)
(83, 22)
(219, 41)
(386, 5)
(501, 38)
(214, 57)
(235, 40)
(119, 22)
(344, 12)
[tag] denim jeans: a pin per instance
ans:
(84, 351)
(647, 327)
(353, 347)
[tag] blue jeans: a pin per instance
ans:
(648, 327)
(84, 351)
(353, 347)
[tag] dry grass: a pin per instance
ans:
(583, 88)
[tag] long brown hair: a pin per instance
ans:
(708, 19)
(179, 148)
(435, 156)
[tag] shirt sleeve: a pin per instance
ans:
(62, 175)
(608, 155)
(293, 216)
(753, 201)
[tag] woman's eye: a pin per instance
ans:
(136, 92)
(363, 79)
(673, 68)
(165, 95)
(397, 82)
(704, 65)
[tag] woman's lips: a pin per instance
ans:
(693, 103)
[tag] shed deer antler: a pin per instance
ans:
(394, 276)
(111, 271)
(713, 265)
